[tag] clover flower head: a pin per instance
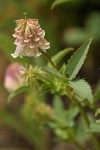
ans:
(29, 38)
(32, 75)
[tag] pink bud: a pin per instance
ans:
(13, 78)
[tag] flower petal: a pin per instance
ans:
(18, 50)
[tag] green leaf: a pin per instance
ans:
(77, 60)
(98, 121)
(71, 113)
(82, 90)
(80, 131)
(58, 105)
(61, 134)
(55, 73)
(58, 2)
(97, 112)
(17, 91)
(65, 118)
(94, 127)
(57, 58)
(63, 69)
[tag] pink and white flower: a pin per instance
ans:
(29, 38)
(13, 77)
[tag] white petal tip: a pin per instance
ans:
(47, 44)
(37, 55)
(14, 56)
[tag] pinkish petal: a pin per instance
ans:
(18, 50)
(13, 77)
(29, 38)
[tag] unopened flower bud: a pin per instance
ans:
(43, 111)
(13, 78)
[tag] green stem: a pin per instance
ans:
(97, 145)
(25, 15)
(48, 58)
(87, 122)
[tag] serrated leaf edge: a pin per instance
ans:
(75, 53)
(88, 86)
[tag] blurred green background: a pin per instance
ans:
(68, 24)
